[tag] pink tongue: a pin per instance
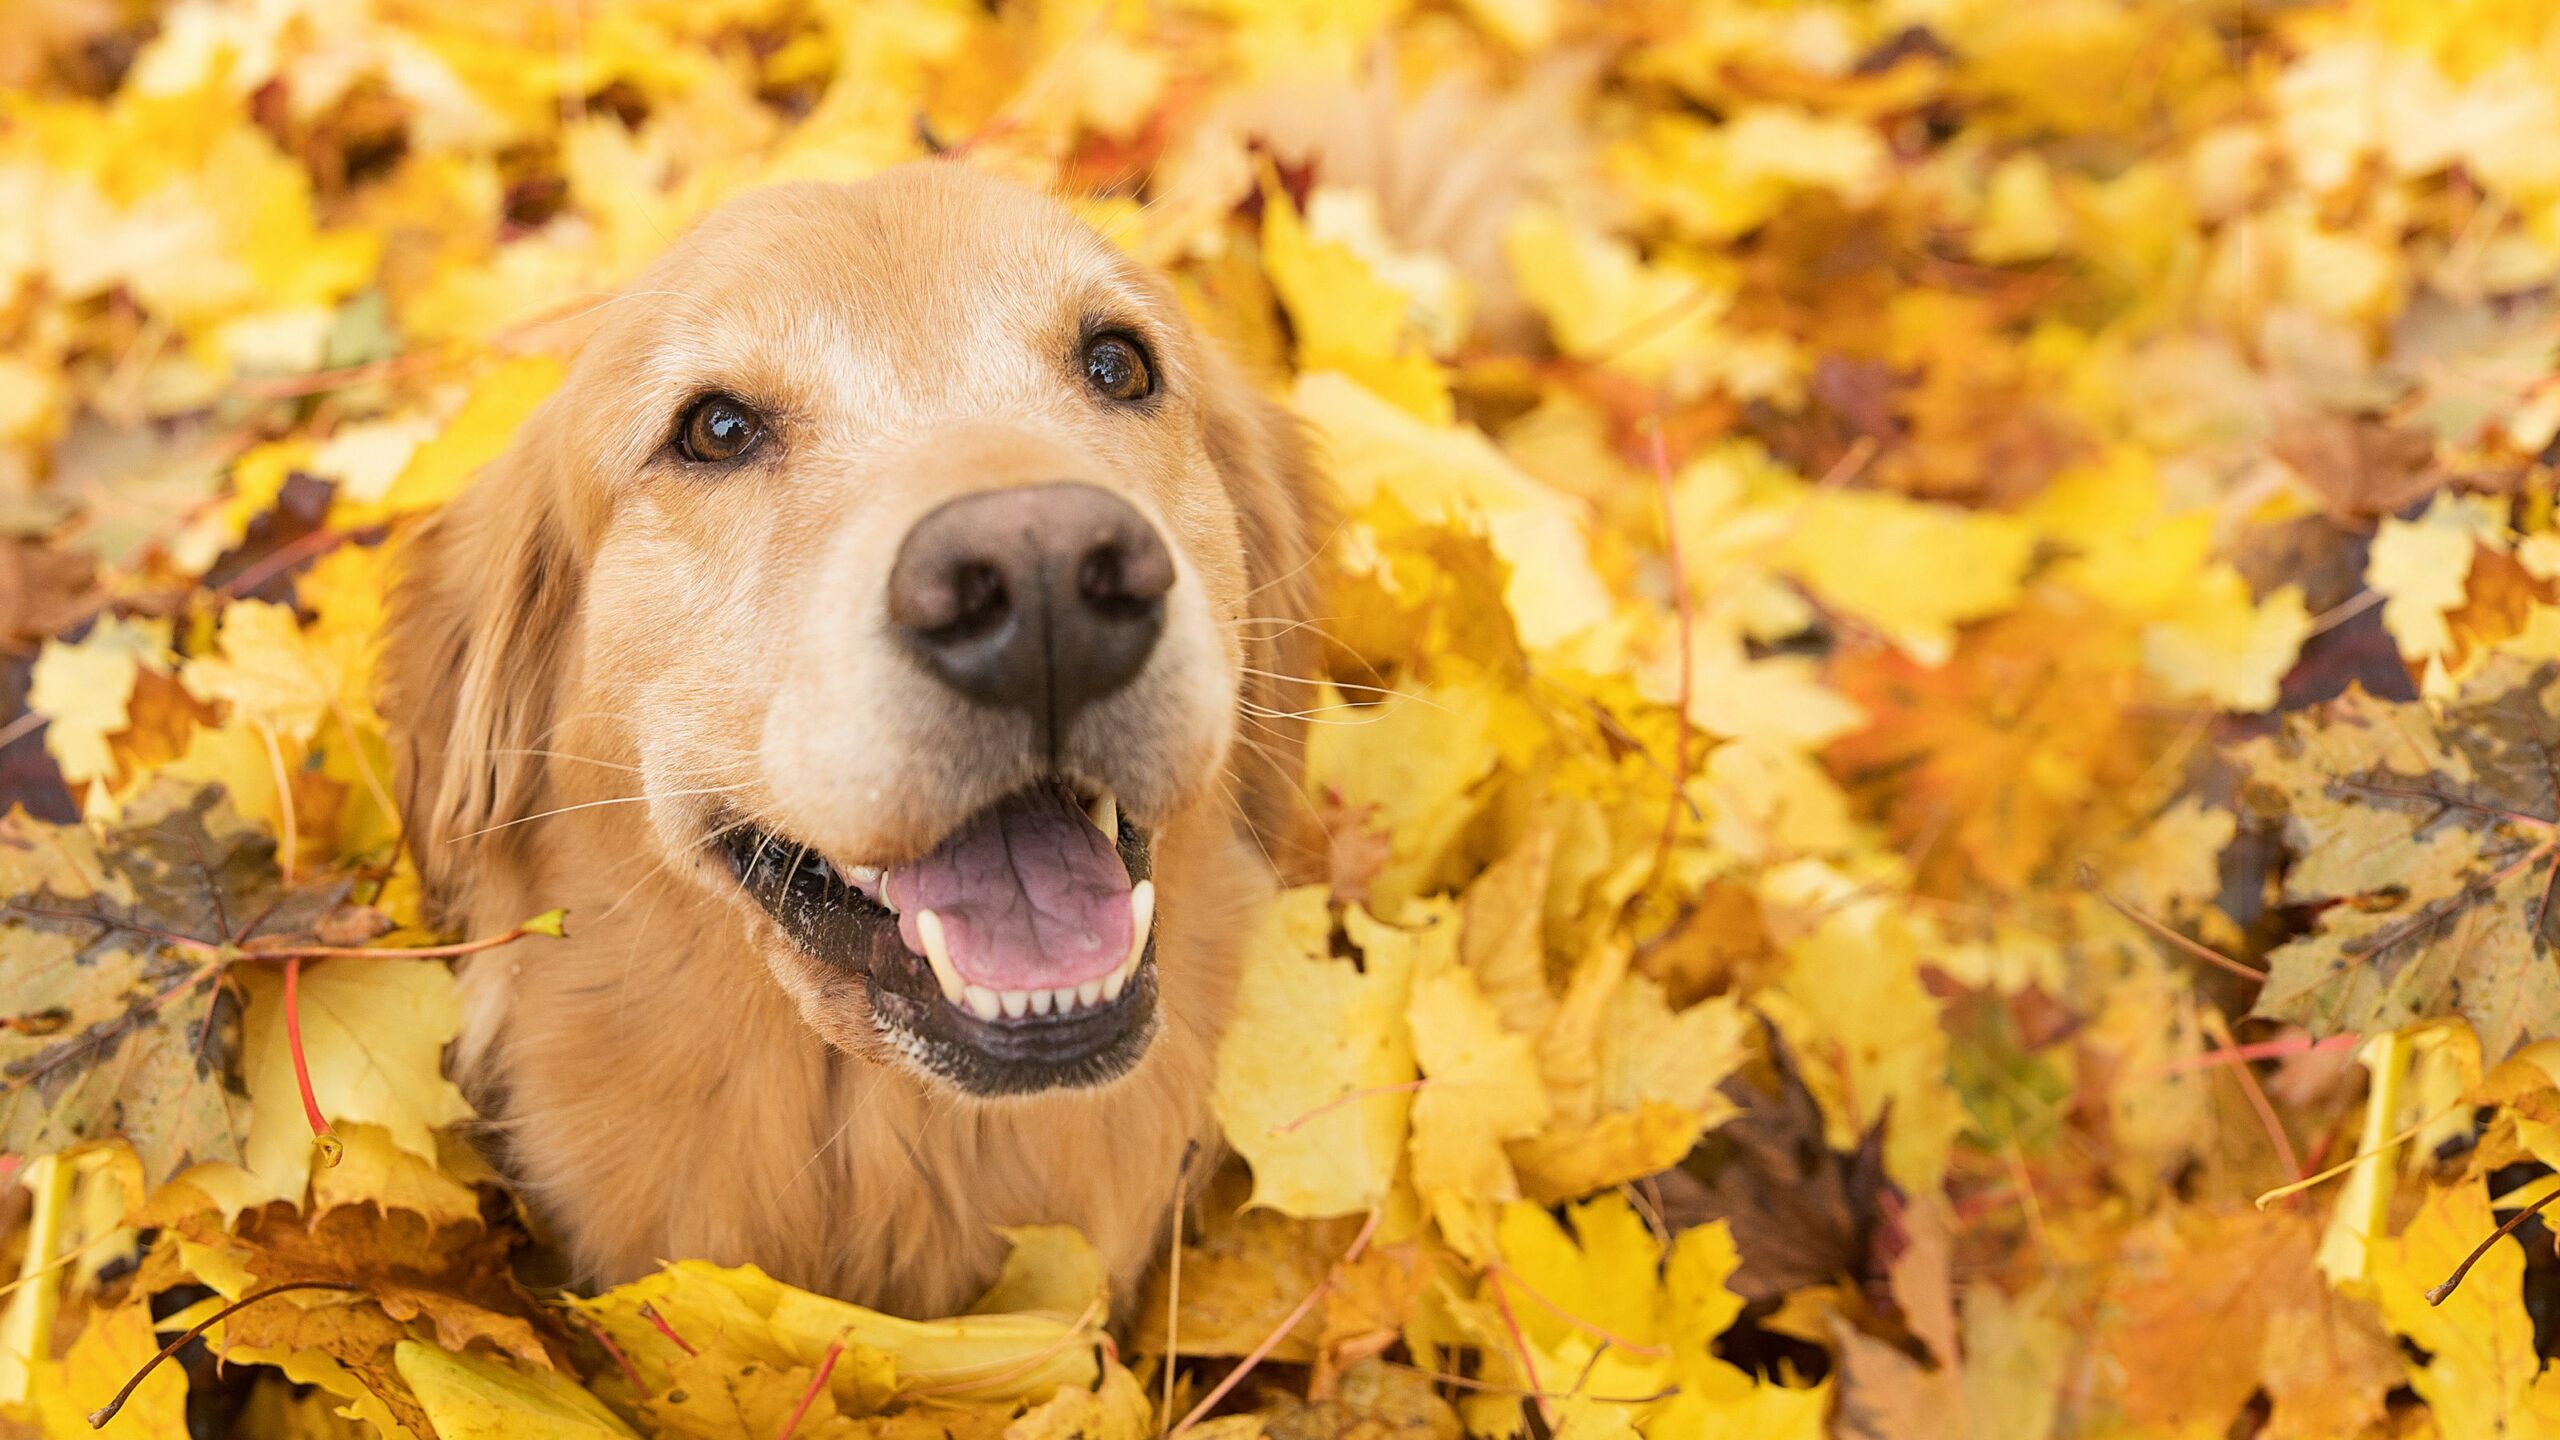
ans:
(1031, 895)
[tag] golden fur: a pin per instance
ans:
(592, 649)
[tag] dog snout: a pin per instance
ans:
(1037, 598)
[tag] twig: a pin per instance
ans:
(1280, 1332)
(2196, 948)
(1685, 611)
(2444, 1292)
(1528, 1359)
(2258, 1101)
(2352, 1161)
(1173, 1283)
(99, 1417)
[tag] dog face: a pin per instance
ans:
(894, 567)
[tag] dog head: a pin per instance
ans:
(895, 564)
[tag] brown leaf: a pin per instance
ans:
(2431, 844)
(1802, 1213)
(2361, 467)
(43, 590)
(452, 1276)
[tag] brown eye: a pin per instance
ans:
(718, 428)
(1117, 368)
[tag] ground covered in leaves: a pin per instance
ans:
(1940, 740)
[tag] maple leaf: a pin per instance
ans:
(118, 1024)
(2481, 1375)
(2429, 842)
(2239, 1306)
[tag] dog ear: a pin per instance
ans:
(1284, 512)
(473, 645)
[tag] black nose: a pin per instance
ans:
(1040, 598)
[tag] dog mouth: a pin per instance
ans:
(1016, 955)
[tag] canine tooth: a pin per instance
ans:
(1089, 993)
(867, 876)
(1104, 812)
(1015, 1002)
(983, 1002)
(1142, 915)
(1064, 998)
(1041, 1000)
(937, 953)
(1112, 983)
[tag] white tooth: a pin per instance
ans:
(1142, 915)
(866, 876)
(1015, 1003)
(1111, 984)
(1064, 998)
(937, 953)
(1089, 993)
(983, 1002)
(1104, 811)
(1041, 1000)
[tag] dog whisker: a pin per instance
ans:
(598, 804)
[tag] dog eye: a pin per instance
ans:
(1116, 367)
(717, 429)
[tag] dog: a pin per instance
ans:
(874, 645)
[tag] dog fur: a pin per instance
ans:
(594, 647)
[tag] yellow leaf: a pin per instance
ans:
(1346, 318)
(1051, 1270)
(2483, 1375)
(82, 691)
(749, 1315)
(2219, 646)
(374, 1169)
(1453, 473)
(2420, 566)
(272, 676)
(1566, 1161)
(1314, 1073)
(1480, 1082)
(1118, 1410)
(499, 403)
(1911, 570)
(373, 1032)
(1656, 323)
(479, 1397)
(109, 1350)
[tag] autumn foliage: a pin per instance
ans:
(1939, 738)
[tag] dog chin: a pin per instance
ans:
(960, 979)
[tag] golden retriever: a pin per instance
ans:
(870, 645)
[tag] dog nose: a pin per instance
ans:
(1040, 598)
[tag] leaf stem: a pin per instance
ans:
(331, 1148)
(2444, 1292)
(99, 1417)
(650, 1314)
(389, 952)
(817, 1382)
(2196, 948)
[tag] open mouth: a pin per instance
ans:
(1016, 955)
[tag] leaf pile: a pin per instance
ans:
(1938, 723)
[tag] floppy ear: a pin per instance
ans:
(1285, 512)
(473, 649)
